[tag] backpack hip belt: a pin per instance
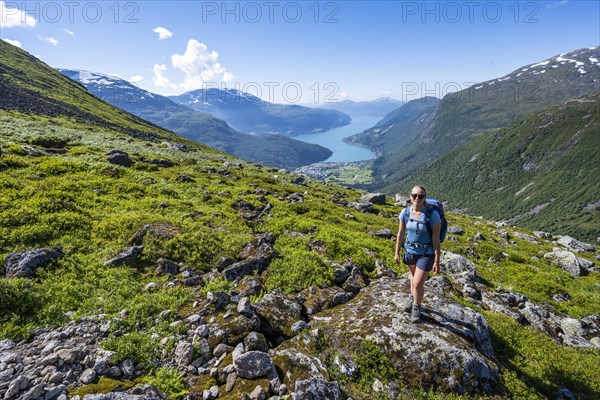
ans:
(419, 245)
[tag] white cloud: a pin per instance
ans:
(199, 66)
(136, 79)
(344, 96)
(163, 33)
(160, 80)
(15, 43)
(10, 17)
(68, 32)
(49, 40)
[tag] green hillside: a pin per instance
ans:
(200, 209)
(463, 115)
(547, 162)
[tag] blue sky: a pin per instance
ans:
(301, 51)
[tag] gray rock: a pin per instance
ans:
(479, 236)
(244, 306)
(127, 368)
(318, 388)
(575, 245)
(384, 233)
(222, 349)
(120, 158)
(455, 266)
(255, 341)
(340, 274)
(184, 353)
(525, 237)
(56, 392)
(542, 235)
(88, 376)
(455, 230)
(567, 261)
(164, 266)
(374, 198)
(355, 282)
(362, 207)
(211, 394)
(299, 327)
(25, 264)
(127, 256)
(258, 393)
(253, 364)
(13, 390)
(456, 338)
(34, 393)
(278, 313)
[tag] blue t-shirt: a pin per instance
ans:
(416, 231)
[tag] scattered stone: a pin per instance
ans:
(455, 230)
(318, 388)
(362, 207)
(256, 342)
(25, 264)
(542, 235)
(373, 198)
(88, 376)
(164, 266)
(222, 349)
(278, 313)
(575, 245)
(299, 327)
(244, 306)
(184, 353)
(127, 256)
(210, 394)
(258, 393)
(355, 282)
(117, 157)
(479, 236)
(299, 181)
(384, 233)
(253, 364)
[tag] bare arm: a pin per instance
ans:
(399, 241)
(435, 230)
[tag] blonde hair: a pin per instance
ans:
(421, 188)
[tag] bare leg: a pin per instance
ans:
(412, 269)
(418, 285)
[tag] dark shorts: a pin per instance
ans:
(423, 262)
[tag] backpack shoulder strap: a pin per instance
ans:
(428, 211)
(406, 216)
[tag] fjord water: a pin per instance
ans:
(332, 139)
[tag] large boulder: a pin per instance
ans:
(127, 256)
(25, 264)
(574, 244)
(569, 262)
(373, 198)
(450, 349)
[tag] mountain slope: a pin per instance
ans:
(279, 151)
(250, 114)
(148, 270)
(463, 115)
(541, 172)
(374, 108)
(30, 86)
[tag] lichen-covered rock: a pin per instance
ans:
(568, 261)
(574, 244)
(278, 313)
(25, 264)
(450, 349)
(253, 364)
(355, 282)
(233, 330)
(184, 353)
(318, 299)
(318, 389)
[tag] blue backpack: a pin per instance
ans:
(433, 205)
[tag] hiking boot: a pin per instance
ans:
(415, 313)
(408, 303)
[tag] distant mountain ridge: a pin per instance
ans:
(275, 150)
(541, 172)
(374, 108)
(251, 114)
(464, 115)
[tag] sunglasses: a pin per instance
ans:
(420, 196)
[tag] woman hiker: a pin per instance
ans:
(421, 249)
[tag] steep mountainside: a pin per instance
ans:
(463, 115)
(542, 171)
(250, 114)
(275, 151)
(374, 108)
